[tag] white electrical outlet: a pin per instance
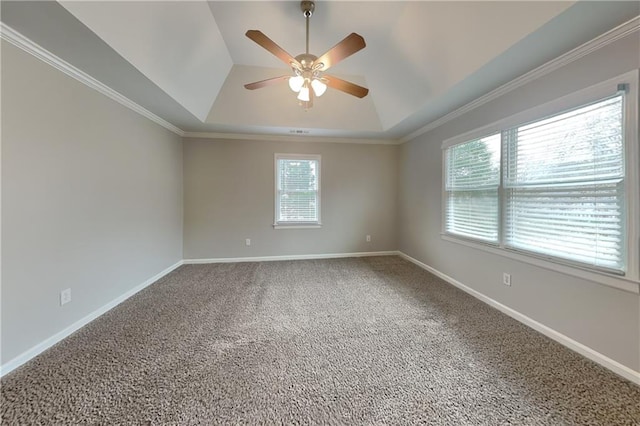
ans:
(65, 296)
(506, 279)
(247, 241)
(368, 238)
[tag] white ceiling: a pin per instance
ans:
(423, 58)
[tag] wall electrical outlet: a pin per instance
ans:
(368, 238)
(247, 241)
(506, 279)
(65, 296)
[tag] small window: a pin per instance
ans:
(472, 183)
(297, 198)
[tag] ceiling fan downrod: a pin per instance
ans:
(306, 59)
(306, 80)
(307, 8)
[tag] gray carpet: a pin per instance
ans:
(343, 341)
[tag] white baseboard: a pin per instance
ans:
(46, 344)
(578, 347)
(586, 351)
(290, 257)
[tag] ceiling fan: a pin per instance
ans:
(308, 79)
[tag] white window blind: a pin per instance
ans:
(472, 179)
(297, 189)
(564, 186)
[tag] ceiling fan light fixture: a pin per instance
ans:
(296, 82)
(308, 79)
(318, 87)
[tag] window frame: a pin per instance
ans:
(291, 224)
(630, 280)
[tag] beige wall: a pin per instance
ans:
(601, 317)
(229, 196)
(91, 200)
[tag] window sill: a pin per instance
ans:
(297, 225)
(610, 280)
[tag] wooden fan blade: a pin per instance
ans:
(267, 43)
(347, 47)
(345, 86)
(264, 83)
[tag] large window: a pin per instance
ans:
(555, 187)
(297, 190)
(564, 186)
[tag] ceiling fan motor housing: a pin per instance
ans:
(306, 60)
(307, 8)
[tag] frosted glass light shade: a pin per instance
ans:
(318, 87)
(296, 82)
(303, 95)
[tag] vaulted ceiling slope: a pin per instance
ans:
(187, 61)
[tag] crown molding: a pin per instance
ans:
(599, 42)
(288, 138)
(12, 36)
(9, 34)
